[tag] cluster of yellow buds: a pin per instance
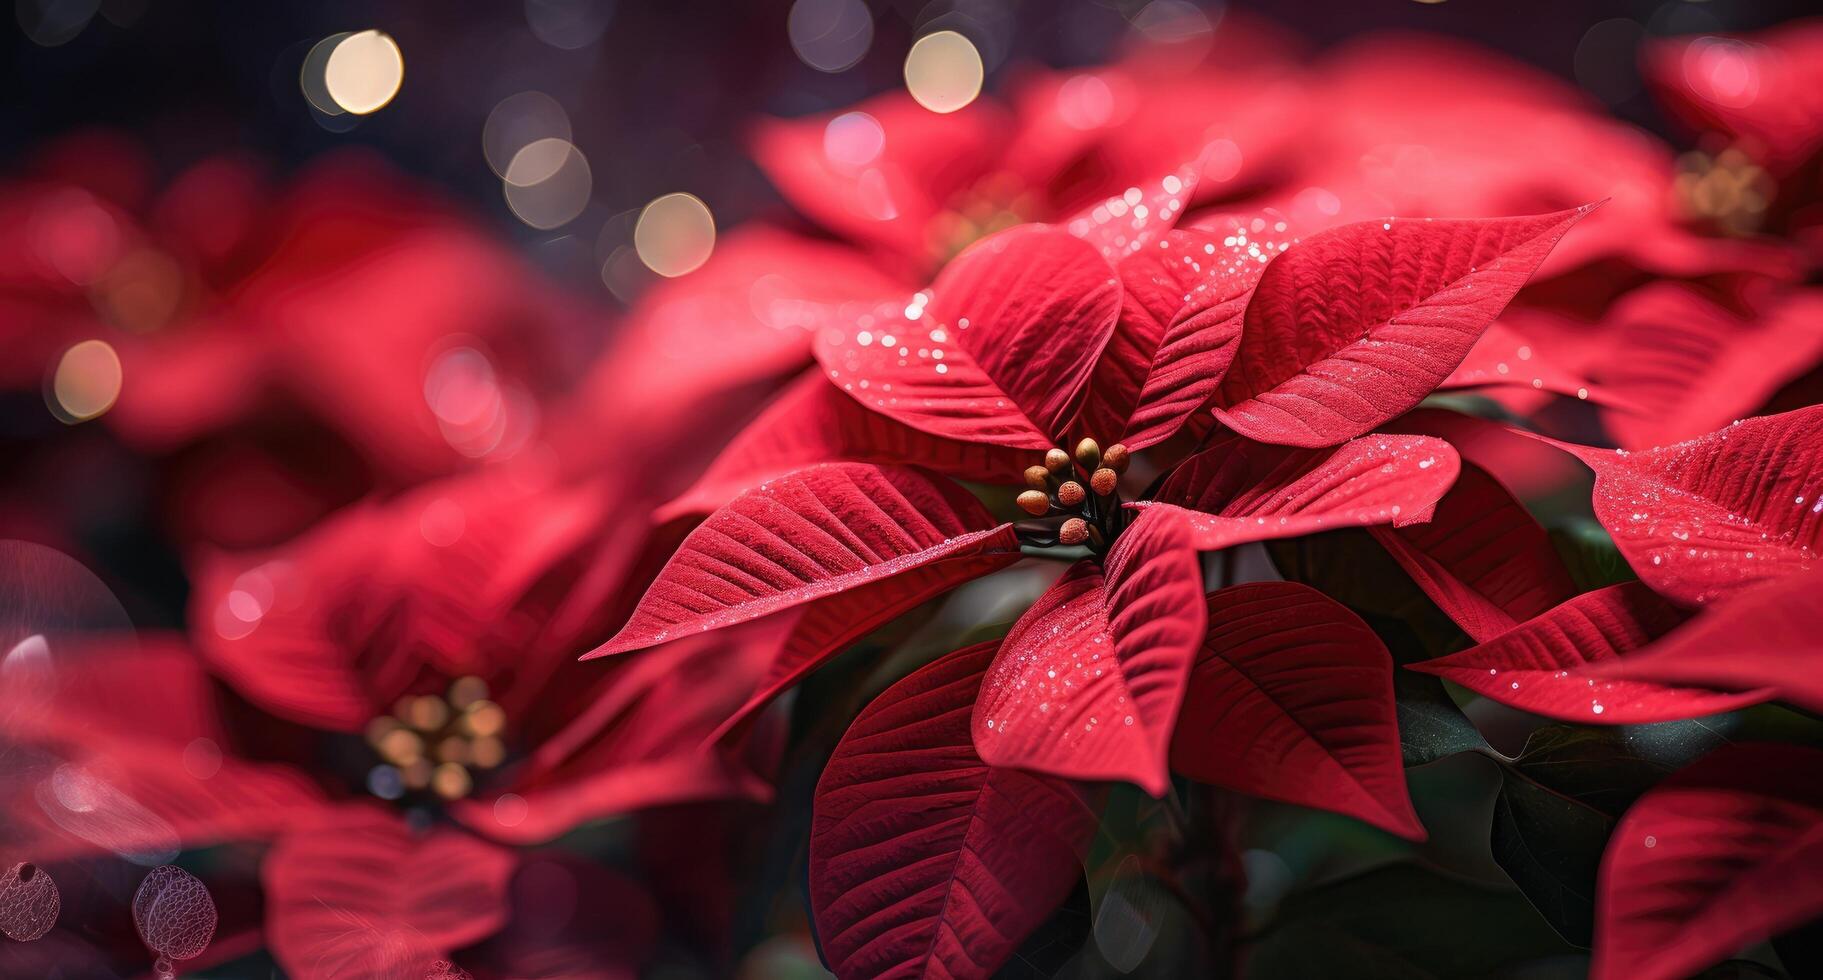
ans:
(432, 742)
(1091, 514)
(1728, 189)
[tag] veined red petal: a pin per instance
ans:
(1721, 513)
(1724, 853)
(1238, 491)
(812, 422)
(1768, 637)
(808, 536)
(1087, 685)
(1482, 558)
(1357, 324)
(1539, 666)
(925, 860)
(1291, 699)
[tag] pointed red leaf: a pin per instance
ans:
(1720, 513)
(365, 896)
(1769, 637)
(1003, 353)
(1357, 324)
(1291, 699)
(1482, 558)
(1724, 853)
(1238, 491)
(812, 422)
(1180, 326)
(1539, 666)
(825, 628)
(808, 536)
(924, 860)
(1127, 222)
(1087, 684)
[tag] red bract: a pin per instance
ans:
(1238, 491)
(925, 860)
(1291, 698)
(1771, 634)
(365, 896)
(1726, 852)
(1482, 558)
(1707, 518)
(1539, 666)
(1357, 325)
(1088, 683)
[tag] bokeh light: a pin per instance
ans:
(50, 23)
(569, 24)
(675, 234)
(86, 382)
(517, 122)
(363, 72)
(943, 71)
(548, 183)
(853, 140)
(830, 35)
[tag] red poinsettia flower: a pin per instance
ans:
(349, 308)
(913, 187)
(1249, 367)
(425, 723)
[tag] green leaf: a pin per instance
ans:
(1550, 846)
(1402, 922)
(1589, 553)
(1430, 724)
(1559, 800)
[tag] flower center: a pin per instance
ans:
(436, 744)
(993, 203)
(1075, 498)
(1728, 190)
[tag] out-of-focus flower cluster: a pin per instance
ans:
(406, 482)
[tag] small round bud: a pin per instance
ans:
(1056, 460)
(1071, 494)
(1037, 477)
(1035, 503)
(1104, 481)
(1088, 453)
(1074, 531)
(1117, 457)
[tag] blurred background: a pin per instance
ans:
(656, 97)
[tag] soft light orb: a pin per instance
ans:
(675, 234)
(548, 183)
(364, 72)
(943, 71)
(86, 382)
